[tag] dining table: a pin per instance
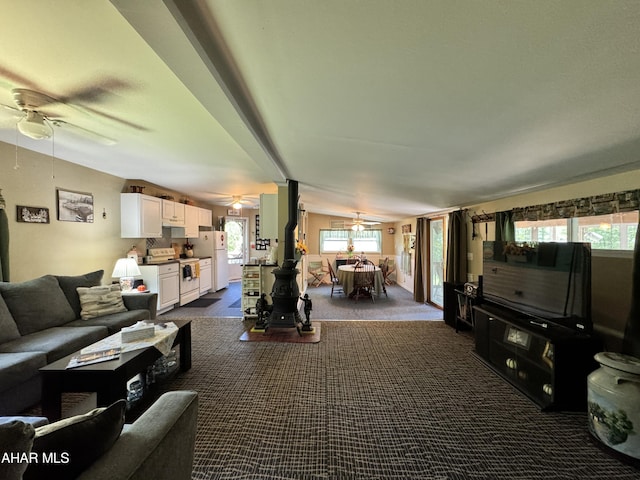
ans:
(346, 277)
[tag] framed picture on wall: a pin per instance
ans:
(32, 214)
(74, 206)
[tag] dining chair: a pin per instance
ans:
(391, 268)
(364, 280)
(335, 283)
(384, 267)
(317, 272)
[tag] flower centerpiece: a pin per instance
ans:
(350, 250)
(301, 249)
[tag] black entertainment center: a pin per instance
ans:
(533, 325)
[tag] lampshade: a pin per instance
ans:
(34, 126)
(125, 269)
(357, 227)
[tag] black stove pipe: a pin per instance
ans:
(292, 223)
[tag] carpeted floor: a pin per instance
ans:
(373, 400)
(398, 305)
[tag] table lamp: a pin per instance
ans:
(125, 269)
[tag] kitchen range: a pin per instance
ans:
(175, 280)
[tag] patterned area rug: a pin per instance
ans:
(374, 400)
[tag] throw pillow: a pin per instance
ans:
(99, 301)
(8, 328)
(37, 304)
(16, 438)
(76, 442)
(70, 283)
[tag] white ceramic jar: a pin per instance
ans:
(614, 402)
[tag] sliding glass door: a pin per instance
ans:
(436, 260)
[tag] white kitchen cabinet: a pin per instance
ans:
(206, 278)
(163, 279)
(269, 215)
(192, 217)
(173, 213)
(140, 216)
(205, 217)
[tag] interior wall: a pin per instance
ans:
(611, 275)
(59, 247)
(319, 221)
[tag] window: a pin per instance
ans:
(615, 231)
(543, 231)
(336, 241)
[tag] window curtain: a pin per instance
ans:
(631, 342)
(457, 248)
(505, 227)
(420, 279)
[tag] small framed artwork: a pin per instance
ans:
(32, 214)
(232, 212)
(74, 206)
(406, 228)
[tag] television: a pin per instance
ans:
(549, 283)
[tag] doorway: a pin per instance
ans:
(237, 245)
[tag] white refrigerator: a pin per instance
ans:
(214, 244)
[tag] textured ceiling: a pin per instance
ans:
(394, 109)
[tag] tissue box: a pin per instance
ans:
(139, 331)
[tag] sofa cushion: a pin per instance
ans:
(101, 300)
(56, 342)
(114, 322)
(16, 438)
(8, 328)
(37, 304)
(16, 368)
(81, 440)
(68, 284)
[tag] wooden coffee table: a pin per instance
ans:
(107, 379)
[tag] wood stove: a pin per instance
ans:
(285, 293)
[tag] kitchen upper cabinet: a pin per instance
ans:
(192, 217)
(173, 213)
(140, 216)
(268, 215)
(205, 217)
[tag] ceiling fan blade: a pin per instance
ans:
(27, 99)
(113, 118)
(96, 91)
(89, 134)
(15, 111)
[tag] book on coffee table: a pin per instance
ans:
(83, 359)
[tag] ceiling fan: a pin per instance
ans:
(37, 118)
(358, 224)
(236, 201)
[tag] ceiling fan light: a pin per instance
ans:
(357, 228)
(237, 205)
(33, 126)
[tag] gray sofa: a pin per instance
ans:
(40, 322)
(99, 446)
